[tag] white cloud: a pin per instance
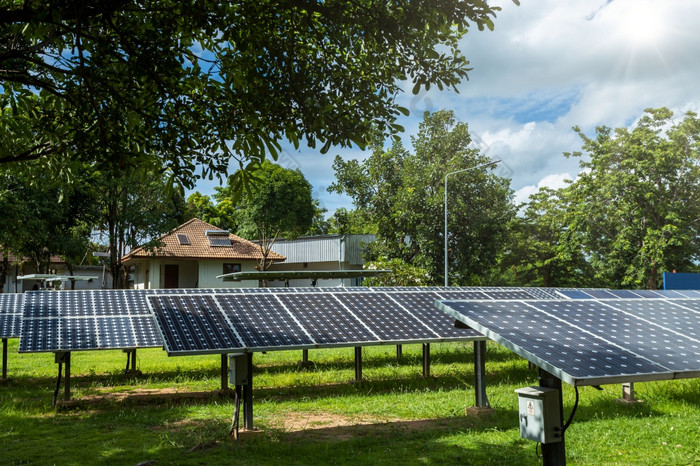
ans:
(554, 181)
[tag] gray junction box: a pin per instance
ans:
(540, 416)
(238, 369)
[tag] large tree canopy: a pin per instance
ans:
(403, 195)
(201, 82)
(636, 205)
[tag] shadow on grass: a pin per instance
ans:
(452, 356)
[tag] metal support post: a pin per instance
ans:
(628, 391)
(305, 356)
(399, 351)
(66, 368)
(133, 359)
(248, 396)
(358, 364)
(224, 372)
(4, 358)
(482, 400)
(554, 454)
(426, 360)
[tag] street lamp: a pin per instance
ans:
(492, 162)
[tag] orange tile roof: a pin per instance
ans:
(199, 247)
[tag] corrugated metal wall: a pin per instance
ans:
(328, 248)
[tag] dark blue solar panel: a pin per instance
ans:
(622, 294)
(261, 322)
(560, 347)
(600, 293)
(575, 294)
(675, 315)
(59, 321)
(661, 334)
(422, 305)
(39, 335)
(631, 329)
(325, 320)
(647, 294)
(10, 314)
(193, 323)
(386, 320)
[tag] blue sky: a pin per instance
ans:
(550, 65)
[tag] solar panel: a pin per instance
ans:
(594, 341)
(87, 320)
(422, 306)
(10, 314)
(84, 320)
(297, 319)
(384, 318)
(325, 321)
(219, 241)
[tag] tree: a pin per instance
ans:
(542, 250)
(280, 205)
(636, 203)
(403, 194)
(46, 219)
(136, 209)
(351, 222)
(201, 83)
(402, 274)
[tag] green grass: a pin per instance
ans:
(318, 416)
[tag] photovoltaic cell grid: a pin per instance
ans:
(594, 341)
(85, 320)
(264, 319)
(10, 314)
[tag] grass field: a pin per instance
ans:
(318, 416)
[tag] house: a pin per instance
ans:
(192, 256)
(322, 252)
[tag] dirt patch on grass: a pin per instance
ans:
(142, 396)
(331, 426)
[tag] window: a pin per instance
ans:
(232, 268)
(183, 239)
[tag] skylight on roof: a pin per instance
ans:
(183, 239)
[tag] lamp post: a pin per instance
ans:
(492, 162)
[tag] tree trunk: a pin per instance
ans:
(4, 270)
(652, 280)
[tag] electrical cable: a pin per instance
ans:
(573, 411)
(236, 413)
(58, 385)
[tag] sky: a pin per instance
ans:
(547, 66)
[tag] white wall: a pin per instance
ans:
(210, 269)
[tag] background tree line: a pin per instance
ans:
(632, 213)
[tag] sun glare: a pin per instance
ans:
(642, 25)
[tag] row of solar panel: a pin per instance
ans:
(82, 320)
(588, 342)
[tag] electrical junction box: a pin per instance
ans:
(238, 369)
(540, 414)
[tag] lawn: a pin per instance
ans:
(173, 413)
